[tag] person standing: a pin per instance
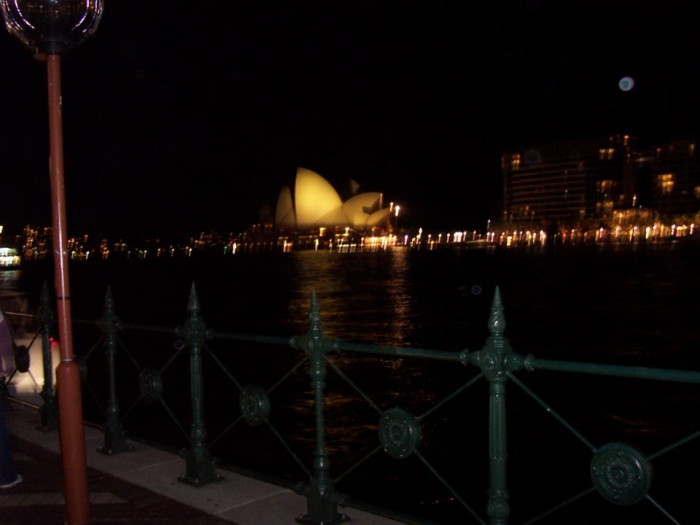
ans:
(8, 474)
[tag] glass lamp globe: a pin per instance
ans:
(51, 26)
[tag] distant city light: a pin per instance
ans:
(626, 83)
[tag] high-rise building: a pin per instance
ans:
(600, 182)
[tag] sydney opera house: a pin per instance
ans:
(313, 212)
(316, 204)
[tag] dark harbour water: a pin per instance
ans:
(631, 305)
(616, 304)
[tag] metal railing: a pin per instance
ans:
(421, 433)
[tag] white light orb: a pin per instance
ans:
(626, 83)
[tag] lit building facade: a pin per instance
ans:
(601, 183)
(674, 177)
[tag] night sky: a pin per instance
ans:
(188, 115)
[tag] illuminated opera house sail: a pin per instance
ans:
(316, 204)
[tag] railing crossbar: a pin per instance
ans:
(29, 372)
(92, 348)
(127, 412)
(128, 353)
(354, 386)
(251, 338)
(225, 431)
(178, 351)
(358, 463)
(36, 333)
(560, 506)
(638, 372)
(175, 420)
(289, 450)
(223, 368)
(167, 410)
(451, 396)
(552, 412)
(396, 351)
(148, 328)
(97, 400)
(662, 510)
(677, 444)
(449, 487)
(289, 373)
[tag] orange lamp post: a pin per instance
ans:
(50, 28)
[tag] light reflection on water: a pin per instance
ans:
(617, 306)
(360, 293)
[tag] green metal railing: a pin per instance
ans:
(617, 472)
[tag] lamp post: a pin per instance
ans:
(50, 28)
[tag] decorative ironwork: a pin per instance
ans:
(399, 433)
(151, 384)
(201, 466)
(114, 435)
(255, 404)
(321, 497)
(621, 473)
(497, 360)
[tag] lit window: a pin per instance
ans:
(606, 153)
(605, 186)
(665, 182)
(515, 161)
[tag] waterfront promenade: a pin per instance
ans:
(137, 487)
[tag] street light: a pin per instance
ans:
(50, 28)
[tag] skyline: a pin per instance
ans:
(182, 117)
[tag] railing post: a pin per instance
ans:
(496, 359)
(114, 437)
(46, 318)
(321, 498)
(200, 463)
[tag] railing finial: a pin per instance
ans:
(193, 304)
(497, 321)
(315, 327)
